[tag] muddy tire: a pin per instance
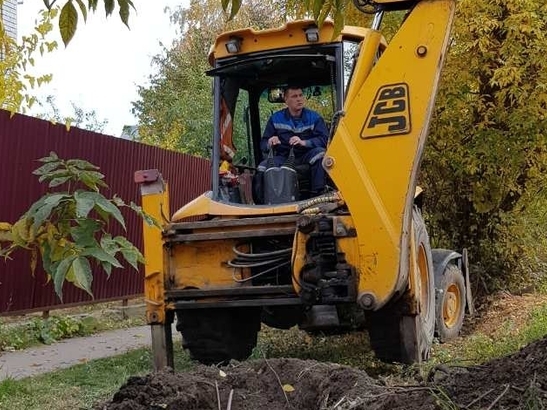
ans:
(214, 336)
(450, 303)
(418, 331)
(383, 328)
(396, 336)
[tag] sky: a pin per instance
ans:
(105, 61)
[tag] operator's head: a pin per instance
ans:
(294, 98)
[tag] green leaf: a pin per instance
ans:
(59, 181)
(123, 242)
(107, 268)
(109, 7)
(68, 22)
(236, 4)
(323, 14)
(109, 244)
(60, 275)
(84, 233)
(339, 21)
(47, 168)
(52, 157)
(46, 258)
(55, 174)
(132, 257)
(102, 256)
(51, 201)
(93, 4)
(96, 176)
(91, 181)
(150, 221)
(85, 201)
(82, 274)
(129, 251)
(83, 9)
(225, 4)
(109, 207)
(81, 164)
(105, 216)
(124, 11)
(317, 6)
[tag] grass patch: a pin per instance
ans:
(509, 337)
(351, 349)
(37, 330)
(82, 386)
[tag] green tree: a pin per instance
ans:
(484, 166)
(16, 60)
(87, 120)
(175, 109)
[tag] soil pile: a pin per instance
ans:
(518, 381)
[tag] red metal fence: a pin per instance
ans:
(23, 140)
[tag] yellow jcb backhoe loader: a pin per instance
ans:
(356, 256)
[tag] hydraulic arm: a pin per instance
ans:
(375, 154)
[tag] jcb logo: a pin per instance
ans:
(390, 114)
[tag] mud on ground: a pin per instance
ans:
(518, 381)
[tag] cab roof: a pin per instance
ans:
(292, 34)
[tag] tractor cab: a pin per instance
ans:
(251, 71)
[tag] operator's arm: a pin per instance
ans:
(320, 134)
(269, 132)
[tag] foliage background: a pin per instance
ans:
(484, 166)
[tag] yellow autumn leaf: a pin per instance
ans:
(288, 388)
(5, 232)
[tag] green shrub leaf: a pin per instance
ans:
(61, 274)
(59, 181)
(109, 7)
(81, 164)
(46, 168)
(84, 233)
(42, 213)
(85, 201)
(102, 256)
(109, 207)
(82, 274)
(68, 22)
(83, 9)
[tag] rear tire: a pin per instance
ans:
(418, 331)
(450, 303)
(215, 336)
(399, 337)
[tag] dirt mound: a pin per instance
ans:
(514, 382)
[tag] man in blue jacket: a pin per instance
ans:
(300, 128)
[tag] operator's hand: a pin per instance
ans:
(273, 141)
(295, 140)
